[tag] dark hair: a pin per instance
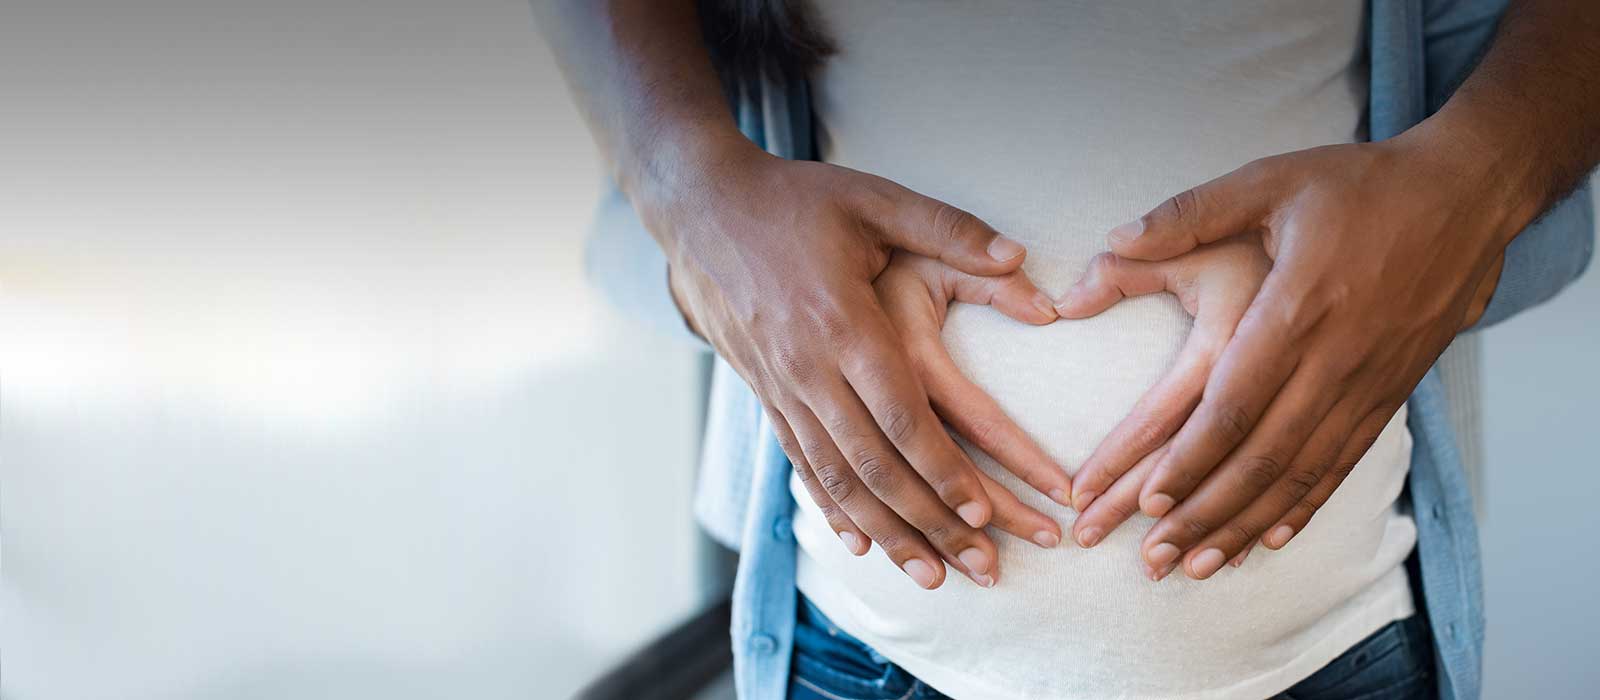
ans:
(777, 39)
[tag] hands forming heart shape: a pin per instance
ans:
(1322, 291)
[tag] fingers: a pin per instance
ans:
(1240, 482)
(1015, 517)
(976, 417)
(906, 547)
(929, 227)
(876, 370)
(1159, 413)
(1299, 516)
(970, 411)
(1235, 203)
(854, 540)
(911, 494)
(1109, 280)
(1203, 555)
(1012, 294)
(1251, 370)
(1120, 502)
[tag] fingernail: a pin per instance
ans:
(1162, 554)
(1280, 536)
(1089, 537)
(971, 512)
(1044, 305)
(851, 542)
(1165, 571)
(1046, 539)
(983, 580)
(1158, 505)
(1239, 560)
(1126, 232)
(1083, 500)
(1060, 496)
(1207, 563)
(920, 572)
(1003, 249)
(975, 560)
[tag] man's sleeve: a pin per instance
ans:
(1552, 252)
(1545, 258)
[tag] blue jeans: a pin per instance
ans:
(1395, 663)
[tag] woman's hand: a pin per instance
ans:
(916, 292)
(1215, 283)
(773, 262)
(1380, 253)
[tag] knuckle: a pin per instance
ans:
(839, 488)
(877, 472)
(899, 422)
(1195, 528)
(1232, 423)
(1121, 509)
(1182, 205)
(1301, 481)
(1342, 469)
(832, 513)
(895, 545)
(1260, 471)
(1147, 433)
(949, 222)
(939, 533)
(1238, 535)
(1103, 264)
(985, 432)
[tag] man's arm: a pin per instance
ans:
(1379, 251)
(772, 261)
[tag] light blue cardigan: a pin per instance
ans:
(1419, 50)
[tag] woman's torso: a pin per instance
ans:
(1054, 122)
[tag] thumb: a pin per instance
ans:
(1234, 203)
(1111, 279)
(931, 228)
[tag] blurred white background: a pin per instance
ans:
(302, 393)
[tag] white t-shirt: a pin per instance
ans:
(1055, 122)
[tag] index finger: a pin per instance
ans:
(876, 368)
(1253, 366)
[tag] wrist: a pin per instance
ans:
(1486, 172)
(678, 168)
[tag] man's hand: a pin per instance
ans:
(916, 292)
(773, 262)
(1359, 302)
(1215, 283)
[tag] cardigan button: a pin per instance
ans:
(782, 529)
(763, 644)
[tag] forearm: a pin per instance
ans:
(1525, 125)
(643, 79)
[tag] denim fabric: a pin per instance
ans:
(1394, 663)
(1419, 50)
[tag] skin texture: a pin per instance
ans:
(773, 263)
(1216, 284)
(1380, 254)
(1377, 253)
(798, 317)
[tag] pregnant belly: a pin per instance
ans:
(1086, 623)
